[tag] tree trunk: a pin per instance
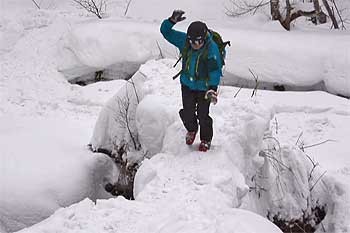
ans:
(275, 9)
(331, 15)
(320, 17)
(317, 7)
(286, 22)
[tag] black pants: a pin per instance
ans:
(195, 108)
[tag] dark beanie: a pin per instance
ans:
(197, 30)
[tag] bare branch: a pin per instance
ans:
(242, 7)
(238, 92)
(320, 143)
(160, 50)
(127, 7)
(134, 87)
(301, 134)
(36, 4)
(92, 7)
(319, 178)
(276, 122)
(331, 14)
(256, 78)
(339, 14)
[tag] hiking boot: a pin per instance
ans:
(204, 146)
(190, 136)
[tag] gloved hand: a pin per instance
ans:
(177, 16)
(212, 96)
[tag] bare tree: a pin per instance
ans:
(275, 12)
(292, 14)
(285, 14)
(97, 7)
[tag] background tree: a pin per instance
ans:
(285, 11)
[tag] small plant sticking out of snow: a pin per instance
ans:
(256, 80)
(289, 188)
(117, 136)
(125, 120)
(126, 153)
(96, 7)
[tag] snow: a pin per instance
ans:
(268, 54)
(46, 122)
(109, 216)
(193, 186)
(37, 191)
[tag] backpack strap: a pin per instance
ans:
(183, 55)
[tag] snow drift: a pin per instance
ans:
(234, 153)
(299, 60)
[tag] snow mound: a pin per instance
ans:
(240, 127)
(179, 188)
(107, 44)
(276, 57)
(43, 172)
(133, 216)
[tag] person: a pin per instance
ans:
(199, 77)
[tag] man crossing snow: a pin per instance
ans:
(200, 75)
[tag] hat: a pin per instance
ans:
(197, 31)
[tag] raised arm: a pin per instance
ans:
(176, 38)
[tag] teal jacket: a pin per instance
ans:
(213, 66)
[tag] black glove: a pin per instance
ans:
(177, 16)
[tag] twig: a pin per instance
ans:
(320, 143)
(301, 134)
(124, 107)
(276, 160)
(303, 230)
(256, 83)
(133, 84)
(91, 6)
(127, 7)
(340, 17)
(36, 4)
(317, 180)
(238, 92)
(242, 8)
(314, 165)
(273, 138)
(160, 50)
(276, 125)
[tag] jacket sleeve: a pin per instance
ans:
(214, 66)
(174, 37)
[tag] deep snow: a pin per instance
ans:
(206, 185)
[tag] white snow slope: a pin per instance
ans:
(182, 190)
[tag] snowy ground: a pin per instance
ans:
(46, 122)
(197, 189)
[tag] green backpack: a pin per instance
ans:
(219, 42)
